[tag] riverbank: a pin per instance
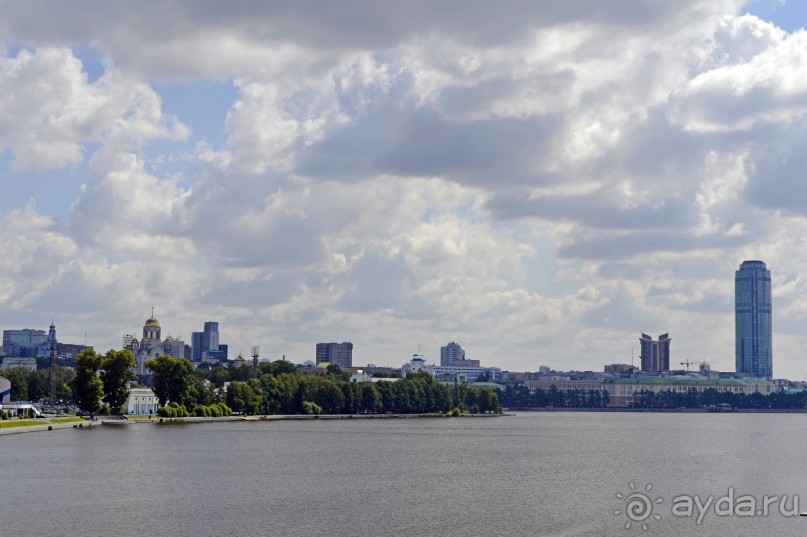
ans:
(300, 417)
(672, 410)
(132, 421)
(46, 425)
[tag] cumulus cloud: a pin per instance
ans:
(36, 252)
(541, 182)
(48, 109)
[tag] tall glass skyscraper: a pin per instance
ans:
(753, 339)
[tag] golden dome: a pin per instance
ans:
(152, 323)
(169, 339)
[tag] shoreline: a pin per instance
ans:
(323, 417)
(46, 427)
(671, 410)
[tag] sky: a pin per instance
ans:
(540, 182)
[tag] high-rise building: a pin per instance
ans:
(655, 354)
(205, 345)
(450, 354)
(753, 334)
(23, 343)
(340, 354)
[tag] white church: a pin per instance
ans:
(151, 346)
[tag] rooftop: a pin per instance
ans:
(673, 381)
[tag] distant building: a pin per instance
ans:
(151, 346)
(205, 345)
(753, 334)
(544, 369)
(655, 354)
(14, 363)
(619, 370)
(24, 343)
(28, 343)
(141, 401)
(5, 391)
(451, 353)
(466, 373)
(68, 351)
(417, 363)
(340, 354)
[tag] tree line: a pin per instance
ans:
(280, 388)
(100, 382)
(711, 397)
(519, 396)
(294, 393)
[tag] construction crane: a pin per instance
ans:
(688, 363)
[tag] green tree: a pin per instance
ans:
(329, 396)
(242, 398)
(335, 372)
(199, 392)
(87, 386)
(369, 398)
(18, 377)
(172, 378)
(116, 373)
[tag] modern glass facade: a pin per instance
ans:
(753, 335)
(205, 345)
(655, 355)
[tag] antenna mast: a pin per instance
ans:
(256, 352)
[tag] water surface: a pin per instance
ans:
(536, 474)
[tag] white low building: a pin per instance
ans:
(142, 401)
(21, 408)
(467, 374)
(417, 363)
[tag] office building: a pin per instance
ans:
(24, 343)
(655, 354)
(753, 334)
(451, 354)
(205, 345)
(340, 354)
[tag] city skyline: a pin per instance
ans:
(540, 188)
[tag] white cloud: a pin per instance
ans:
(48, 109)
(541, 187)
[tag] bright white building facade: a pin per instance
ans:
(142, 401)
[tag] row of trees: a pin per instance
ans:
(293, 393)
(711, 397)
(279, 389)
(521, 397)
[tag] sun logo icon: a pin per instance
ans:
(638, 506)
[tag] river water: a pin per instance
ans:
(535, 474)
